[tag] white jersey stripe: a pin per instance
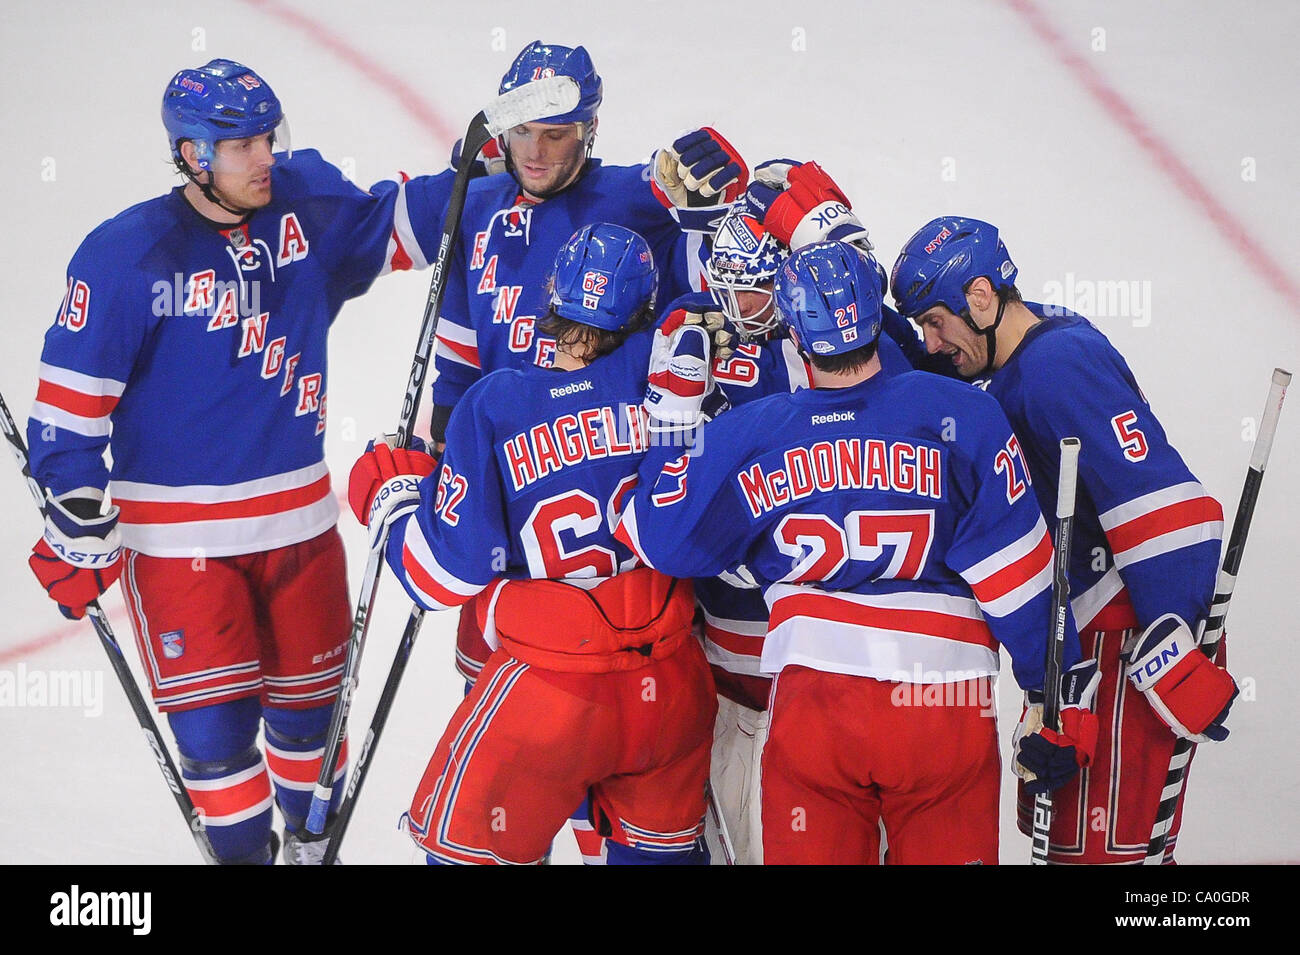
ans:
(89, 427)
(86, 384)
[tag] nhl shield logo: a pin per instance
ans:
(173, 644)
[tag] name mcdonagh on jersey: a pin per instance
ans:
(846, 463)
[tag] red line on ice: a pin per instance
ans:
(49, 638)
(1160, 153)
(411, 101)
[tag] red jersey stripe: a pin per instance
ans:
(1015, 574)
(467, 353)
(1139, 530)
(733, 642)
(926, 622)
(175, 512)
(75, 402)
(424, 580)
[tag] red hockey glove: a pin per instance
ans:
(699, 169)
(489, 161)
(79, 555)
(769, 181)
(385, 483)
(1189, 692)
(814, 209)
(1045, 758)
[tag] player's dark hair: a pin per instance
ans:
(1008, 293)
(587, 342)
(845, 363)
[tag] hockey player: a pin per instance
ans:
(194, 329)
(595, 683)
(1146, 534)
(894, 560)
(785, 201)
(514, 223)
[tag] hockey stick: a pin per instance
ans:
(551, 96)
(377, 722)
(724, 837)
(1223, 588)
(1056, 648)
(99, 619)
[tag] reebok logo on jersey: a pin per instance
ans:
(834, 417)
(573, 389)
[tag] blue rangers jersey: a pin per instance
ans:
(537, 467)
(1146, 533)
(734, 611)
(502, 260)
(201, 349)
(890, 524)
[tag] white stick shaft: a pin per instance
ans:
(1268, 427)
(1069, 477)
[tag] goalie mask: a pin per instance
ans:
(745, 259)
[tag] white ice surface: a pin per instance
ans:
(887, 96)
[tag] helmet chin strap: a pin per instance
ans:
(990, 336)
(211, 195)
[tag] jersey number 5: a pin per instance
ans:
(1130, 438)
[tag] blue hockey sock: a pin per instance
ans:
(226, 778)
(295, 745)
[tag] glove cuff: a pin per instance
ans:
(396, 497)
(91, 543)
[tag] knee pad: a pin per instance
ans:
(216, 733)
(295, 745)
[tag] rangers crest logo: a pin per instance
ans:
(740, 232)
(173, 644)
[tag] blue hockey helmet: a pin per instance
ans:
(604, 276)
(745, 258)
(940, 261)
(539, 60)
(220, 100)
(829, 293)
